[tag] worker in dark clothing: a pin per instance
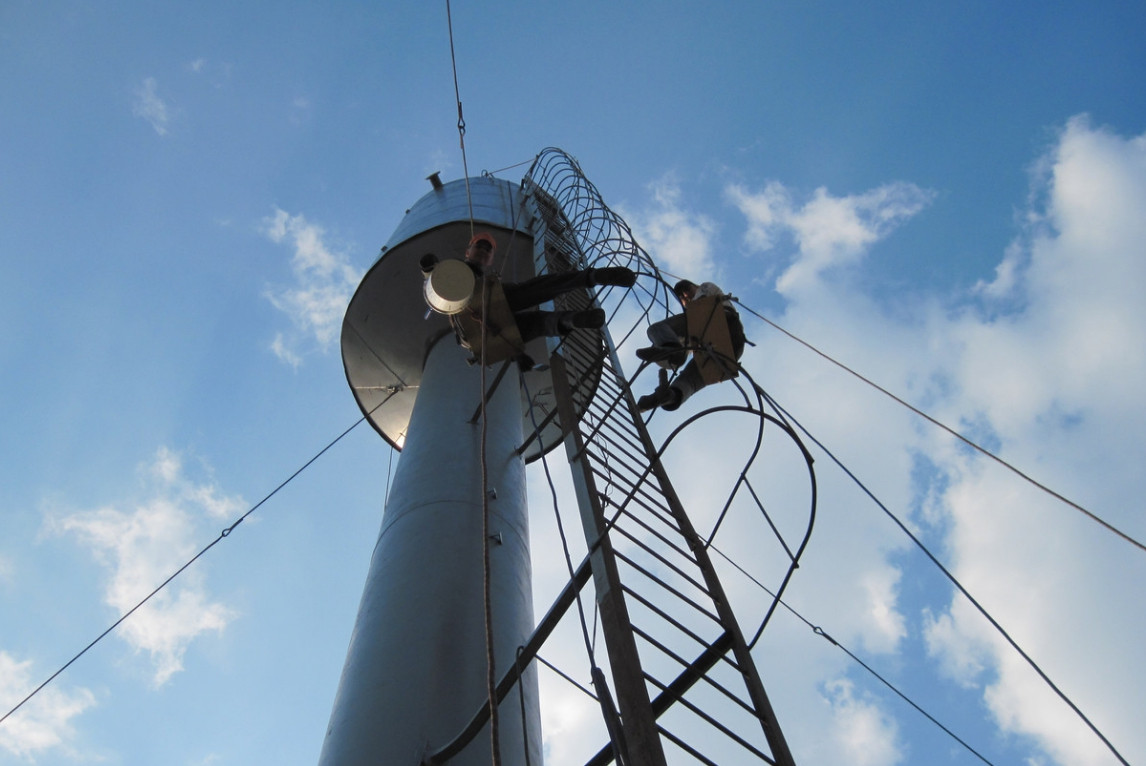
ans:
(522, 297)
(669, 336)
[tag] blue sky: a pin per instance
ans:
(946, 198)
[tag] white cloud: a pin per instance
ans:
(285, 352)
(1054, 374)
(677, 239)
(216, 73)
(1046, 363)
(1006, 276)
(828, 231)
(151, 107)
(142, 547)
(44, 722)
(961, 660)
(324, 282)
(863, 734)
(880, 586)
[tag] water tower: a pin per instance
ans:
(415, 685)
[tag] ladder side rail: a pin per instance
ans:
(744, 659)
(632, 694)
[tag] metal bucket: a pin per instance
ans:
(450, 286)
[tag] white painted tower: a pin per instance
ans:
(416, 670)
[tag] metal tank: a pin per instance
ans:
(415, 671)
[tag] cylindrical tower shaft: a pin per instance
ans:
(415, 672)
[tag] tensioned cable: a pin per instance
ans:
(956, 434)
(947, 573)
(982, 450)
(509, 167)
(824, 634)
(461, 119)
(193, 559)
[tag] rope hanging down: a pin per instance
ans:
(491, 679)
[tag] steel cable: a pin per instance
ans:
(224, 533)
(982, 450)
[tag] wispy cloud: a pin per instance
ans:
(44, 722)
(141, 546)
(863, 734)
(151, 107)
(217, 73)
(829, 231)
(678, 239)
(324, 282)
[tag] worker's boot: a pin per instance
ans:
(669, 357)
(663, 396)
(612, 275)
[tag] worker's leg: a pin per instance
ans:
(532, 292)
(668, 332)
(686, 384)
(671, 396)
(537, 324)
(667, 337)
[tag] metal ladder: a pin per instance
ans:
(684, 678)
(686, 687)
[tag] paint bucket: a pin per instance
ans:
(450, 286)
